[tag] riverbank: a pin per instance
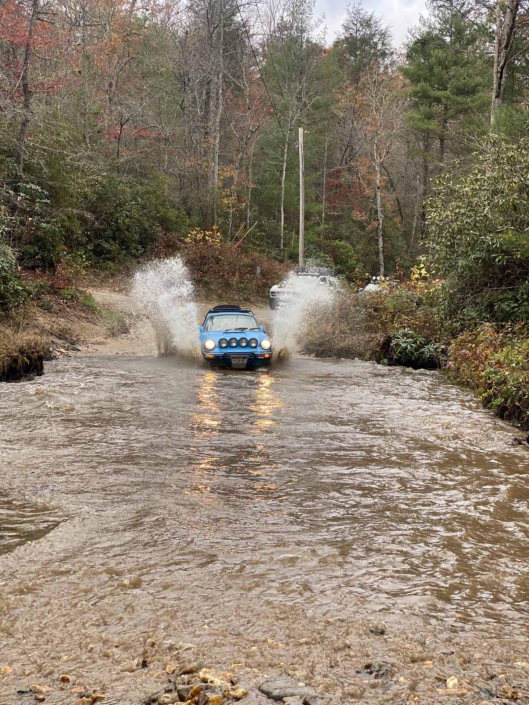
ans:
(60, 322)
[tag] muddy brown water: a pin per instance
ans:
(259, 522)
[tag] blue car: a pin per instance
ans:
(231, 337)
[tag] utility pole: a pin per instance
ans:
(301, 200)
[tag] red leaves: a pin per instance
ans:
(14, 25)
(14, 17)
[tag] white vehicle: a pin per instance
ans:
(383, 284)
(279, 292)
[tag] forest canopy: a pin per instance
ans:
(124, 126)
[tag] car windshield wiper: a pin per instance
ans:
(234, 329)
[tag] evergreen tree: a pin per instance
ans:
(447, 70)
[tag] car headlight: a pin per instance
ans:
(210, 344)
(253, 342)
(223, 343)
(266, 344)
(233, 342)
(243, 342)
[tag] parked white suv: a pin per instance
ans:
(279, 292)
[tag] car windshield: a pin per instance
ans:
(232, 321)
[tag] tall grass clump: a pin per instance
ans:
(21, 355)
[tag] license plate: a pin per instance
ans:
(239, 362)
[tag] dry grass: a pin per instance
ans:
(21, 354)
(342, 328)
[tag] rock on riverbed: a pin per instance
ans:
(286, 687)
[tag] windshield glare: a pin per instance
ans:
(230, 322)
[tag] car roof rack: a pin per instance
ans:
(228, 308)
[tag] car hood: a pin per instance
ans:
(217, 335)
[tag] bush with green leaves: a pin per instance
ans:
(409, 349)
(64, 206)
(478, 232)
(13, 292)
(125, 218)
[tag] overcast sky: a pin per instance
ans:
(400, 15)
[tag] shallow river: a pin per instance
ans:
(259, 522)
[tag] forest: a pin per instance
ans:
(125, 126)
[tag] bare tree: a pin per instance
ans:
(25, 82)
(378, 120)
(505, 30)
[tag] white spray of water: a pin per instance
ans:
(300, 295)
(163, 290)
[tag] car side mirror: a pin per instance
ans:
(201, 329)
(262, 329)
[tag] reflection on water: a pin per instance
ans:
(21, 522)
(267, 403)
(278, 499)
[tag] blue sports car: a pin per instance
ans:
(231, 337)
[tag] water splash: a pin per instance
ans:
(300, 293)
(163, 290)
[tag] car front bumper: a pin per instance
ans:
(239, 360)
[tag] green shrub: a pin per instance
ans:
(116, 323)
(13, 291)
(126, 218)
(478, 230)
(409, 349)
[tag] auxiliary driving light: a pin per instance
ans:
(233, 342)
(266, 344)
(243, 342)
(223, 343)
(253, 342)
(210, 345)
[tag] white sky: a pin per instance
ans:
(399, 15)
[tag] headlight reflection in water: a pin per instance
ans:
(266, 403)
(207, 418)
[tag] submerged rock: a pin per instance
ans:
(378, 628)
(486, 694)
(379, 669)
(286, 687)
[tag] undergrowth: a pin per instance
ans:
(394, 326)
(494, 362)
(231, 273)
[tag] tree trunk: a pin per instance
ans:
(122, 122)
(506, 13)
(380, 212)
(250, 176)
(415, 214)
(233, 190)
(218, 116)
(324, 194)
(26, 89)
(283, 179)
